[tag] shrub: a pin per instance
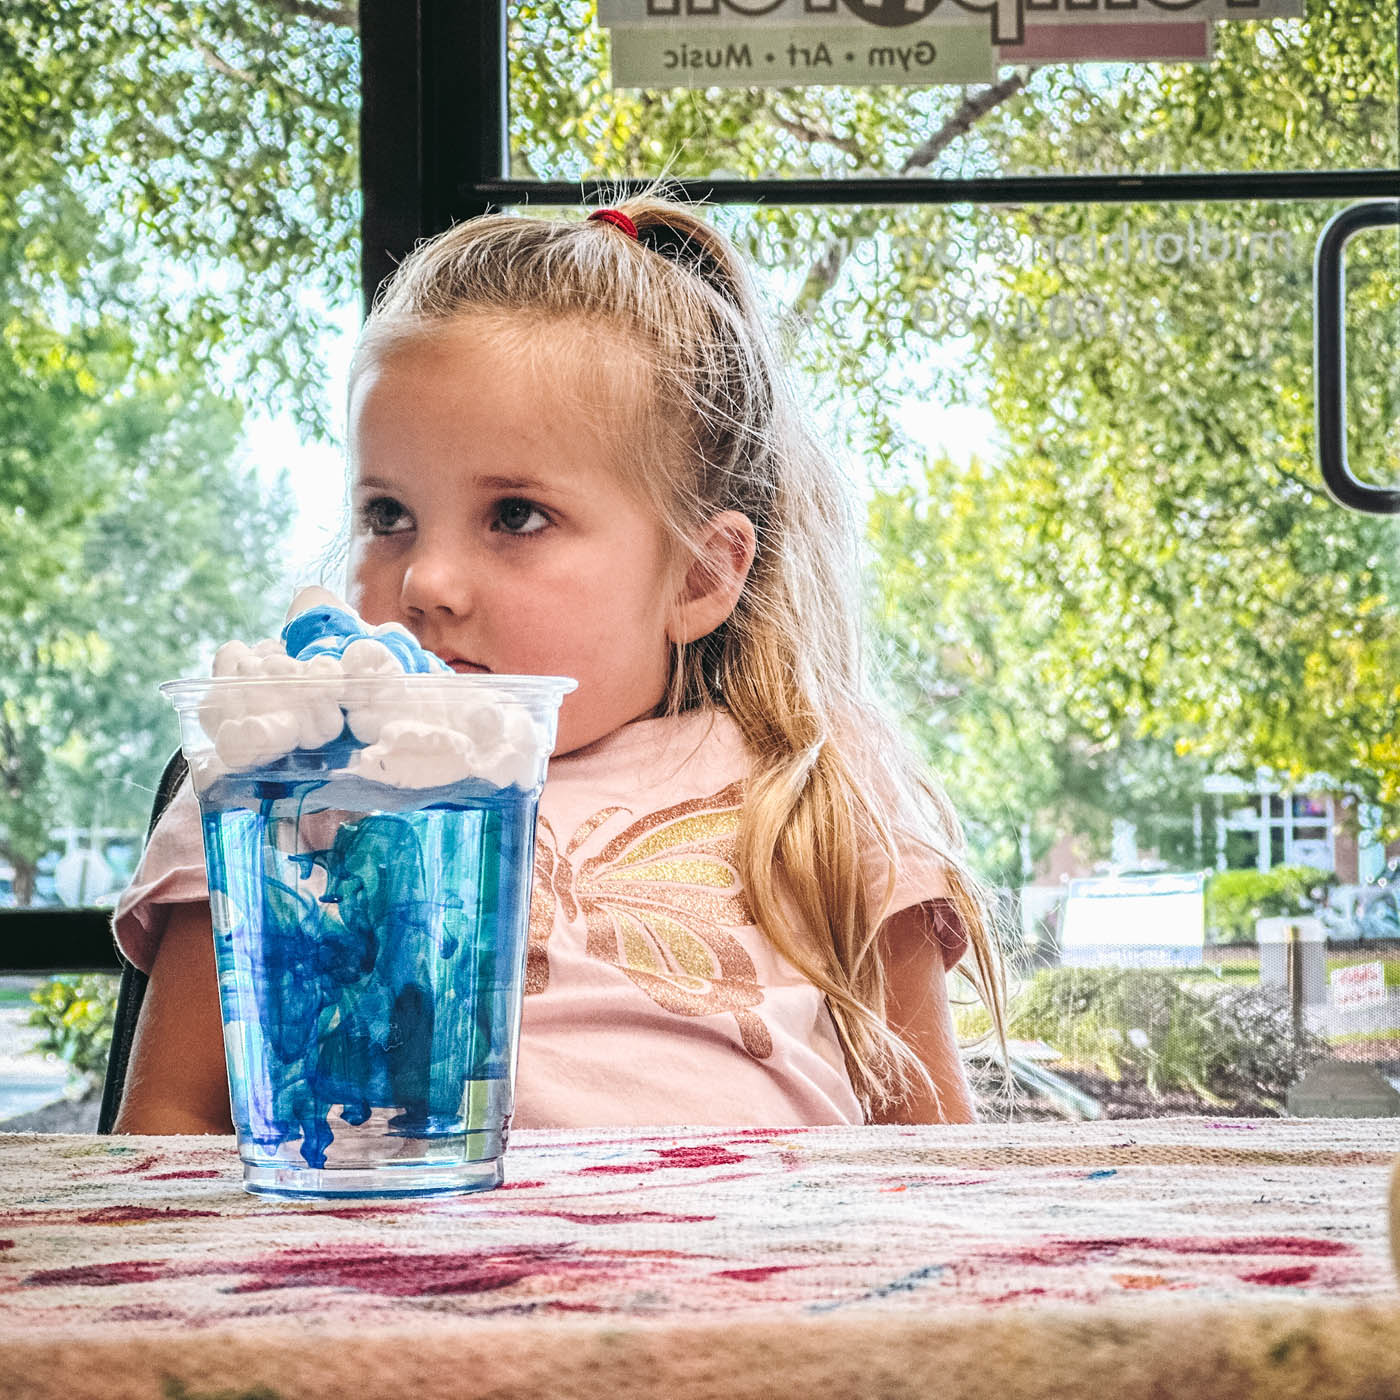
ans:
(76, 1015)
(1236, 898)
(1221, 1042)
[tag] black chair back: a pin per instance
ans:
(133, 983)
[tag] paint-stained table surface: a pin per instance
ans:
(1169, 1257)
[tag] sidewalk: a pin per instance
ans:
(27, 1082)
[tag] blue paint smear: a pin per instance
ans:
(379, 972)
(906, 1283)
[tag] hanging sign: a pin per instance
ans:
(770, 43)
(687, 57)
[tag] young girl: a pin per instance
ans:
(573, 452)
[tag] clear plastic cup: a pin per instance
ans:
(369, 843)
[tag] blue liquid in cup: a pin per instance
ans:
(371, 950)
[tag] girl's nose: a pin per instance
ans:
(436, 581)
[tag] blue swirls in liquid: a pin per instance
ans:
(368, 959)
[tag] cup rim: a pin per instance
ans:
(503, 687)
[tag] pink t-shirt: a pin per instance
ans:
(650, 996)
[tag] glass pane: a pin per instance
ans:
(1373, 320)
(1312, 93)
(177, 260)
(1111, 591)
(178, 226)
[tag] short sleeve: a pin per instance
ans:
(171, 872)
(921, 879)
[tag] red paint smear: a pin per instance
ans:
(395, 1275)
(1283, 1278)
(348, 1212)
(7, 1244)
(704, 1154)
(623, 1217)
(1018, 1293)
(184, 1176)
(1256, 1244)
(101, 1275)
(135, 1215)
(519, 1185)
(144, 1165)
(1076, 1251)
(755, 1275)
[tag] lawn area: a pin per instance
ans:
(1243, 973)
(1235, 973)
(1389, 1035)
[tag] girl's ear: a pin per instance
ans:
(715, 579)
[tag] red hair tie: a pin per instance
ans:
(616, 218)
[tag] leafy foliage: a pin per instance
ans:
(76, 1016)
(130, 536)
(1236, 898)
(1222, 1043)
(1135, 580)
(219, 140)
(130, 533)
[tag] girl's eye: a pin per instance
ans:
(519, 517)
(383, 515)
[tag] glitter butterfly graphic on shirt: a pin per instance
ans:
(658, 903)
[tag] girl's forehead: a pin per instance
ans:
(539, 392)
(573, 363)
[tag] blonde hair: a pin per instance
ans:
(718, 428)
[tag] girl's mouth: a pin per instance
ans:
(463, 667)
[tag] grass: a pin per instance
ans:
(1237, 974)
(1391, 1033)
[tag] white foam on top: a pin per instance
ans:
(410, 742)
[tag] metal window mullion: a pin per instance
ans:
(1037, 189)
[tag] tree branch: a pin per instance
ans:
(219, 65)
(826, 267)
(330, 13)
(964, 119)
(212, 60)
(813, 133)
(1311, 487)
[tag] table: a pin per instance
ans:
(1188, 1257)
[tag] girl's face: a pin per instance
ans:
(492, 523)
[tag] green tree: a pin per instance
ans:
(217, 141)
(130, 536)
(1148, 571)
(1138, 578)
